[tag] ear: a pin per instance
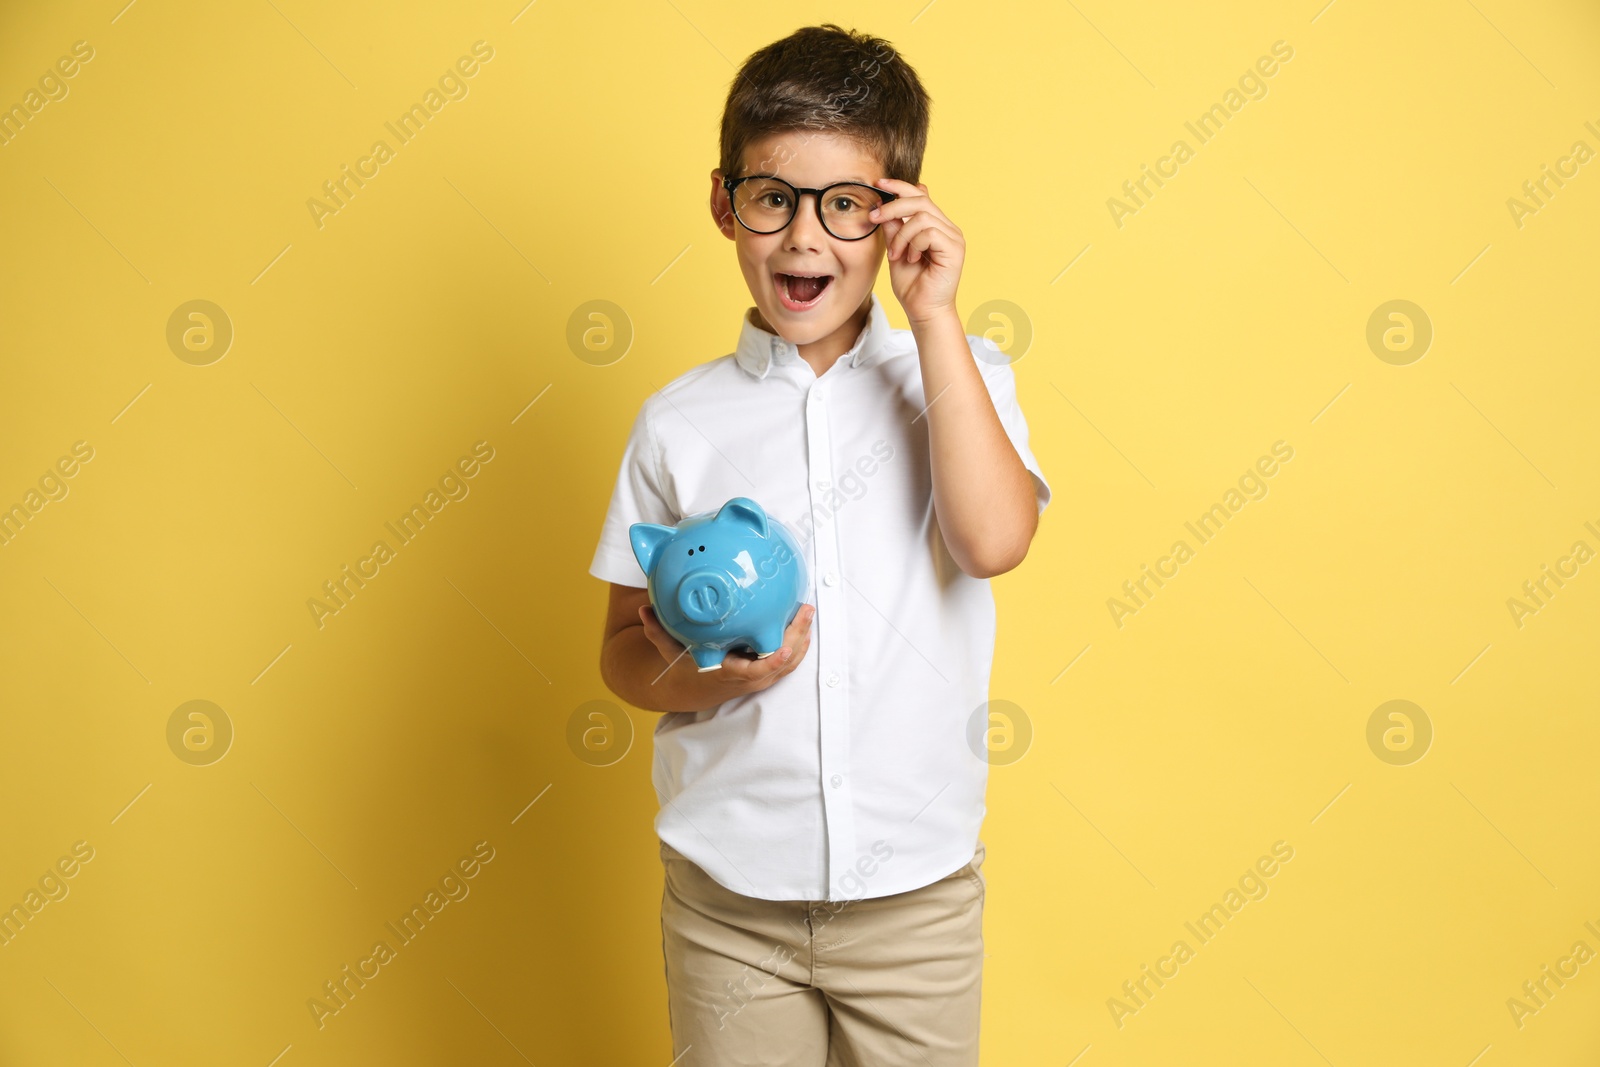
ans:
(647, 539)
(742, 509)
(721, 206)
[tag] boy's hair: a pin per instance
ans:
(824, 78)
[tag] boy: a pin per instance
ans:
(820, 813)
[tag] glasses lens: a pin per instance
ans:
(845, 209)
(767, 205)
(764, 204)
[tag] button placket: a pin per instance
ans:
(829, 644)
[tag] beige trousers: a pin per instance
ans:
(807, 983)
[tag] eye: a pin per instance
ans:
(702, 548)
(843, 204)
(691, 552)
(767, 197)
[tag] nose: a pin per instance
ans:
(805, 229)
(705, 596)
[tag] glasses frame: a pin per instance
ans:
(730, 184)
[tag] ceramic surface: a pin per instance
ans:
(723, 580)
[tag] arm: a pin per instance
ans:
(634, 663)
(982, 493)
(632, 667)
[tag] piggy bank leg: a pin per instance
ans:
(768, 642)
(707, 659)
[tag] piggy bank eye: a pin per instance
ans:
(691, 552)
(702, 548)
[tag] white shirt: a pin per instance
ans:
(852, 776)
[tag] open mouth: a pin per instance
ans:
(800, 292)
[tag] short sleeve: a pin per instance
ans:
(1002, 385)
(637, 497)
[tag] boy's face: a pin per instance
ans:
(812, 160)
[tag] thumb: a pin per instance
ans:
(669, 647)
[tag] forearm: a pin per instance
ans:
(982, 494)
(633, 669)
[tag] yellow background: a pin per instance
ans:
(369, 354)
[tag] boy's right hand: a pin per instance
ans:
(741, 671)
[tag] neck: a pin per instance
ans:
(825, 352)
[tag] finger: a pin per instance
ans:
(899, 208)
(796, 639)
(798, 627)
(925, 242)
(927, 228)
(916, 196)
(890, 214)
(652, 625)
(743, 664)
(744, 667)
(891, 230)
(907, 207)
(801, 622)
(895, 185)
(670, 647)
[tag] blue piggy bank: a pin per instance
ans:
(722, 580)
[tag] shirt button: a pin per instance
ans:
(833, 679)
(836, 780)
(830, 578)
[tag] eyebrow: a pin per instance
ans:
(853, 178)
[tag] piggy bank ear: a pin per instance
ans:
(647, 539)
(742, 509)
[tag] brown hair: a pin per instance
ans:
(825, 78)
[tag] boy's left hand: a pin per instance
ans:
(925, 251)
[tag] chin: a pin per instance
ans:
(806, 332)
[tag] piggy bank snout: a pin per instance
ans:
(706, 596)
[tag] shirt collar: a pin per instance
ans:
(758, 348)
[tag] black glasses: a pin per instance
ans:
(766, 204)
